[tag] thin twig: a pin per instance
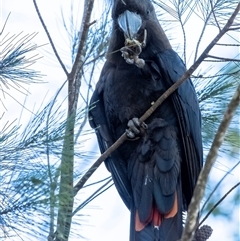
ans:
(223, 58)
(97, 182)
(233, 45)
(215, 188)
(159, 101)
(233, 29)
(213, 12)
(216, 61)
(201, 35)
(216, 204)
(93, 196)
(184, 35)
(4, 25)
(217, 75)
(49, 38)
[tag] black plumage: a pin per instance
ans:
(155, 175)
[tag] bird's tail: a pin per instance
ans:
(161, 227)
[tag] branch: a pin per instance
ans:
(191, 223)
(74, 78)
(223, 58)
(219, 201)
(216, 75)
(215, 188)
(80, 57)
(215, 18)
(201, 36)
(93, 196)
(159, 101)
(4, 25)
(52, 180)
(233, 29)
(66, 190)
(49, 38)
(233, 45)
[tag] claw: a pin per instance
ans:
(134, 127)
(133, 130)
(144, 126)
(130, 134)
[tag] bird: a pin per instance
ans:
(156, 169)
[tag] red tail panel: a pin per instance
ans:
(156, 217)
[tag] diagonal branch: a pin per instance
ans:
(4, 25)
(218, 202)
(193, 209)
(159, 101)
(191, 223)
(49, 38)
(215, 18)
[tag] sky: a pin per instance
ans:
(107, 218)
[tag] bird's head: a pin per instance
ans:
(137, 22)
(132, 16)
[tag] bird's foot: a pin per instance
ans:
(135, 128)
(131, 55)
(133, 49)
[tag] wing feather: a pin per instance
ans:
(187, 109)
(98, 121)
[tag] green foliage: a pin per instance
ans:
(16, 56)
(214, 94)
(25, 183)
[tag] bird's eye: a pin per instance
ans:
(148, 12)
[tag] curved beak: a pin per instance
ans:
(130, 23)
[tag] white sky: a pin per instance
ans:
(109, 220)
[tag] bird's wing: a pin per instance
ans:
(187, 109)
(97, 120)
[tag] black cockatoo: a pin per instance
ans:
(156, 170)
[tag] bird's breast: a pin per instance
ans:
(129, 92)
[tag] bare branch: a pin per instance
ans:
(223, 58)
(49, 38)
(66, 190)
(213, 12)
(216, 204)
(233, 29)
(93, 196)
(215, 188)
(78, 63)
(216, 75)
(201, 35)
(4, 25)
(233, 45)
(191, 221)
